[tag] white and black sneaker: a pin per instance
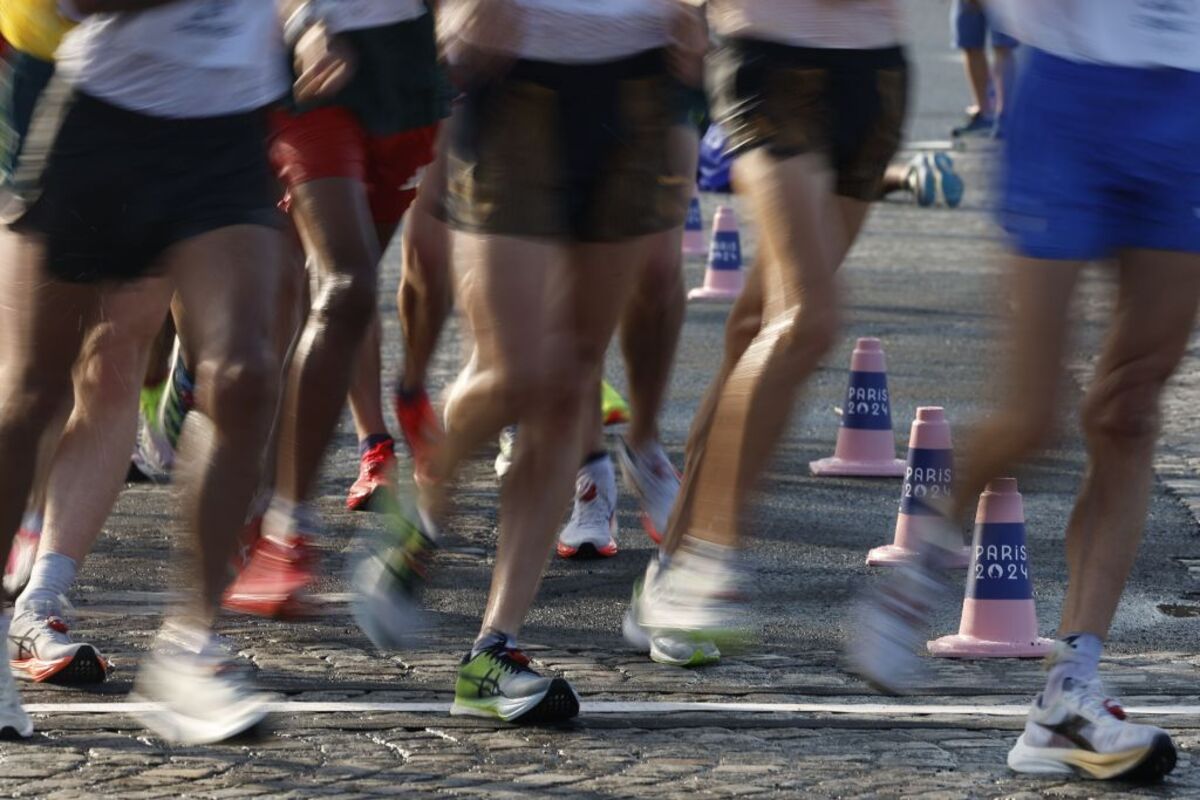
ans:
(40, 648)
(1084, 730)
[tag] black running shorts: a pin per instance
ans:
(111, 189)
(577, 152)
(847, 104)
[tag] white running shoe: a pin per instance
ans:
(198, 693)
(649, 474)
(891, 621)
(40, 648)
(697, 598)
(1085, 730)
(593, 524)
(153, 455)
(14, 722)
(504, 459)
(676, 648)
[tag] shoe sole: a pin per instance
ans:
(179, 729)
(587, 551)
(85, 668)
(558, 704)
(947, 177)
(293, 607)
(1141, 765)
(643, 642)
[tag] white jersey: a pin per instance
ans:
(587, 31)
(353, 15)
(191, 58)
(840, 24)
(1131, 33)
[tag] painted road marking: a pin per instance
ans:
(611, 707)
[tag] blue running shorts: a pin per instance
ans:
(971, 25)
(1100, 158)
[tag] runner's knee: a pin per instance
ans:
(347, 301)
(1124, 405)
(241, 389)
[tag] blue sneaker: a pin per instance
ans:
(922, 180)
(976, 124)
(949, 183)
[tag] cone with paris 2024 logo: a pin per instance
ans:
(998, 617)
(693, 228)
(927, 478)
(866, 444)
(723, 278)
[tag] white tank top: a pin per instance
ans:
(1131, 33)
(588, 31)
(354, 15)
(192, 58)
(845, 24)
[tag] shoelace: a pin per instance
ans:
(510, 658)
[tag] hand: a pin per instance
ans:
(688, 30)
(324, 64)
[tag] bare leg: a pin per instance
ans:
(331, 215)
(366, 387)
(1029, 406)
(585, 299)
(228, 280)
(975, 61)
(426, 293)
(89, 467)
(1153, 320)
(42, 323)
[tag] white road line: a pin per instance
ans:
(603, 707)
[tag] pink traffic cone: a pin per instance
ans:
(927, 477)
(998, 616)
(693, 229)
(866, 445)
(723, 277)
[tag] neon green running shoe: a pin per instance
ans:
(498, 683)
(613, 408)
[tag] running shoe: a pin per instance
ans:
(504, 459)
(891, 621)
(388, 580)
(498, 683)
(922, 180)
(949, 183)
(694, 608)
(374, 475)
(593, 524)
(153, 453)
(419, 426)
(649, 474)
(675, 648)
(977, 124)
(14, 722)
(276, 579)
(613, 408)
(1084, 730)
(40, 649)
(20, 561)
(197, 694)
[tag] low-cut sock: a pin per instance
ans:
(1076, 657)
(51, 579)
(373, 441)
(490, 638)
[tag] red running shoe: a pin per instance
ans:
(420, 427)
(374, 475)
(275, 580)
